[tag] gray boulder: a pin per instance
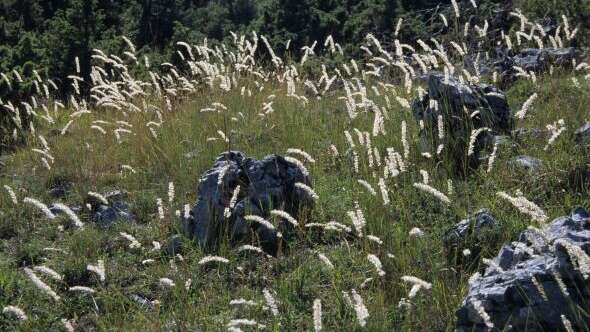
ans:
(107, 214)
(468, 234)
(534, 281)
(526, 163)
(265, 185)
(464, 107)
(533, 59)
(582, 134)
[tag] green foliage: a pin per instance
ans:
(46, 36)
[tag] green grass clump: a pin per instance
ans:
(91, 161)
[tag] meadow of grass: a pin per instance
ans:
(92, 161)
(182, 148)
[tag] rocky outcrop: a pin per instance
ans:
(464, 107)
(527, 164)
(532, 60)
(535, 283)
(265, 185)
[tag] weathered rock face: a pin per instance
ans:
(533, 59)
(523, 292)
(464, 107)
(264, 185)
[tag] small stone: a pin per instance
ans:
(468, 234)
(582, 134)
(526, 163)
(117, 209)
(173, 245)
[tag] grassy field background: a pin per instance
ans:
(92, 161)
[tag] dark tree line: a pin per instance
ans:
(47, 35)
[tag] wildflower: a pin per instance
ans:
(383, 190)
(129, 168)
(428, 189)
(398, 26)
(299, 164)
(209, 259)
(99, 269)
(334, 150)
(358, 219)
(14, 311)
(82, 289)
(67, 325)
(417, 232)
(260, 220)
(560, 283)
(71, 214)
(405, 143)
(525, 206)
(170, 192)
(221, 174)
(425, 177)
(271, 302)
(41, 285)
(166, 282)
(160, 205)
(525, 107)
(302, 153)
(492, 157)
(567, 324)
(243, 302)
(47, 271)
(444, 19)
(377, 263)
(417, 281)
(99, 129)
(317, 315)
(247, 247)
(578, 257)
(100, 197)
(235, 323)
(326, 261)
(456, 8)
(285, 216)
(375, 239)
(472, 140)
(11, 194)
(66, 127)
(134, 243)
(368, 187)
(539, 287)
(360, 309)
(307, 189)
(477, 305)
(556, 130)
(48, 214)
